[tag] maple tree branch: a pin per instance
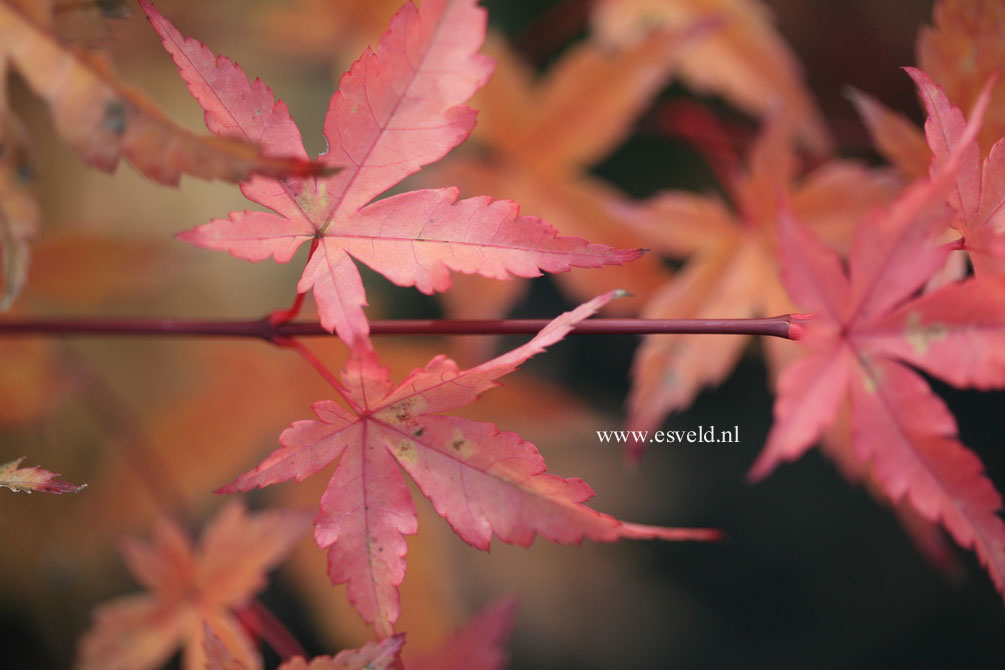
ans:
(779, 326)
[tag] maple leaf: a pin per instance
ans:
(104, 120)
(965, 48)
(33, 479)
(894, 136)
(481, 480)
(190, 589)
(429, 604)
(371, 656)
(869, 328)
(542, 139)
(395, 111)
(836, 443)
(731, 269)
(960, 53)
(978, 197)
(745, 59)
(476, 646)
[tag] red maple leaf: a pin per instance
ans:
(482, 481)
(395, 111)
(869, 328)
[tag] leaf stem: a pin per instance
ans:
(260, 621)
(282, 316)
(779, 326)
(316, 363)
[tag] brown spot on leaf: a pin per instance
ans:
(405, 452)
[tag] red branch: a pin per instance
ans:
(265, 329)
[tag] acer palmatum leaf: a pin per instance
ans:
(484, 482)
(103, 120)
(478, 645)
(541, 143)
(395, 111)
(371, 656)
(33, 479)
(895, 138)
(964, 48)
(978, 195)
(867, 328)
(190, 589)
(744, 59)
(961, 51)
(731, 268)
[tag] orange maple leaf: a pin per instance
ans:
(745, 59)
(539, 140)
(964, 49)
(190, 588)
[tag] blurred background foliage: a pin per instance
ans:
(813, 572)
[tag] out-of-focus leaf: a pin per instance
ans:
(33, 479)
(190, 589)
(103, 120)
(965, 48)
(868, 328)
(731, 268)
(745, 59)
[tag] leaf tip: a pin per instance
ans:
(761, 468)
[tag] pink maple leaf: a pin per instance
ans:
(869, 328)
(395, 111)
(484, 482)
(978, 193)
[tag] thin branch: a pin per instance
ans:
(779, 326)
